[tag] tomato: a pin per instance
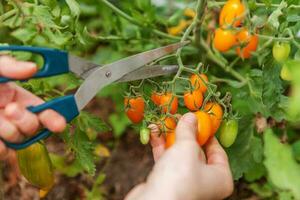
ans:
(285, 73)
(193, 100)
(215, 112)
(169, 103)
(249, 43)
(197, 82)
(228, 132)
(170, 139)
(155, 97)
(36, 167)
(169, 124)
(144, 135)
(232, 13)
(224, 39)
(204, 127)
(134, 107)
(281, 51)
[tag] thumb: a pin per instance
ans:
(187, 127)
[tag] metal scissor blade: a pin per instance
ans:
(142, 73)
(81, 67)
(149, 72)
(115, 71)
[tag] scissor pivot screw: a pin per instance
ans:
(108, 74)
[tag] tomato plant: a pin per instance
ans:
(243, 56)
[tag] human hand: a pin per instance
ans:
(184, 171)
(16, 122)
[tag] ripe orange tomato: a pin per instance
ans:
(197, 82)
(193, 99)
(224, 39)
(155, 97)
(204, 127)
(134, 107)
(250, 43)
(216, 113)
(168, 124)
(170, 139)
(232, 13)
(169, 103)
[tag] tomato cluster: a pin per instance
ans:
(209, 117)
(230, 33)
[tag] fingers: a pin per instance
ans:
(52, 121)
(136, 192)
(216, 154)
(8, 131)
(7, 94)
(26, 121)
(3, 151)
(157, 141)
(11, 68)
(186, 128)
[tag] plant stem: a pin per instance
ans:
(199, 20)
(133, 21)
(8, 14)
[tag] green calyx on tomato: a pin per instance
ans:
(228, 132)
(281, 51)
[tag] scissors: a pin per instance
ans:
(95, 78)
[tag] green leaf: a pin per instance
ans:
(283, 170)
(61, 164)
(24, 34)
(263, 191)
(296, 150)
(273, 19)
(83, 149)
(96, 193)
(256, 172)
(74, 7)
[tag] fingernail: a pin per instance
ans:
(189, 118)
(13, 111)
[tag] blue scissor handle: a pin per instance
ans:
(66, 106)
(55, 61)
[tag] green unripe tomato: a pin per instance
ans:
(285, 73)
(35, 165)
(144, 135)
(281, 51)
(228, 132)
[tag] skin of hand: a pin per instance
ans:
(185, 171)
(16, 122)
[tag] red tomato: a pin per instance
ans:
(204, 127)
(249, 43)
(155, 97)
(216, 113)
(197, 82)
(224, 39)
(134, 107)
(169, 103)
(232, 13)
(193, 100)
